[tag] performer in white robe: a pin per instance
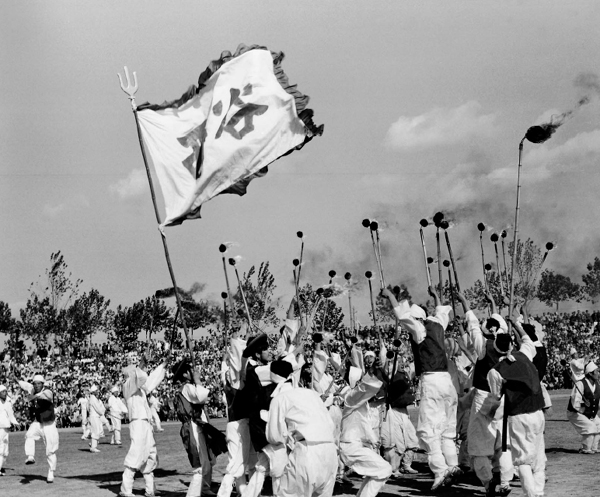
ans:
(436, 425)
(7, 418)
(43, 426)
(142, 455)
(96, 412)
(358, 440)
(582, 411)
(298, 418)
(83, 405)
(116, 409)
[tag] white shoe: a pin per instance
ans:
(94, 450)
(438, 482)
(50, 477)
(30, 460)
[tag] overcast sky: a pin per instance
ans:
(424, 105)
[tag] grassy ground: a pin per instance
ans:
(81, 473)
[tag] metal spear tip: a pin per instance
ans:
(397, 342)
(424, 223)
(494, 237)
(223, 295)
(481, 227)
(296, 262)
(374, 225)
(366, 223)
(503, 234)
(317, 337)
(332, 273)
(549, 246)
(222, 248)
(299, 234)
(539, 134)
(444, 225)
(429, 260)
(348, 276)
(390, 354)
(446, 263)
(488, 267)
(231, 261)
(368, 275)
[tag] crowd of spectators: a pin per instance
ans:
(70, 372)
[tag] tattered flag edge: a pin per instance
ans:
(301, 101)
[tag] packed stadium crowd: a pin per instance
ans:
(101, 364)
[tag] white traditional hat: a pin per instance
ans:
(93, 389)
(589, 367)
(501, 322)
(2, 388)
(114, 389)
(38, 378)
(354, 375)
(417, 312)
(577, 368)
(369, 352)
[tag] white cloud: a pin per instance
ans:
(441, 126)
(52, 211)
(131, 186)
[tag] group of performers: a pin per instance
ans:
(481, 405)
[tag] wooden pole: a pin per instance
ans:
(131, 90)
(516, 233)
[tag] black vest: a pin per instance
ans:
(400, 391)
(593, 400)
(42, 410)
(430, 354)
(540, 361)
(483, 366)
(522, 390)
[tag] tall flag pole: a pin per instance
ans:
(131, 90)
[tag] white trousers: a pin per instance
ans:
(257, 480)
(436, 425)
(526, 432)
(310, 471)
(368, 463)
(142, 455)
(96, 427)
(588, 429)
(237, 434)
(3, 445)
(116, 429)
(49, 434)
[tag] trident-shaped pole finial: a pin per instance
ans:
(130, 89)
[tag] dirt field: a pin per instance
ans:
(81, 473)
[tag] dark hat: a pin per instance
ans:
(180, 368)
(281, 369)
(256, 344)
(530, 330)
(502, 342)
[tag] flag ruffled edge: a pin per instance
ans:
(301, 100)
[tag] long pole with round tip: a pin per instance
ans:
(494, 239)
(367, 223)
(437, 219)
(481, 228)
(486, 269)
(513, 261)
(131, 89)
(369, 275)
(447, 265)
(300, 235)
(297, 263)
(503, 235)
(223, 249)
(424, 223)
(452, 260)
(237, 275)
(549, 248)
(375, 228)
(348, 277)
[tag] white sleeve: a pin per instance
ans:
(195, 394)
(154, 379)
(234, 361)
(277, 431)
(474, 329)
(442, 315)
(414, 327)
(528, 348)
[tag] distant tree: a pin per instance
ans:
(262, 304)
(555, 288)
(383, 309)
(45, 312)
(476, 294)
(127, 323)
(591, 280)
(87, 315)
(328, 315)
(12, 329)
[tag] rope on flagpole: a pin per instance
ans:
(131, 90)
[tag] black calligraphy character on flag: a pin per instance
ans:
(246, 112)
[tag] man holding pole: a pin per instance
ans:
(142, 455)
(436, 427)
